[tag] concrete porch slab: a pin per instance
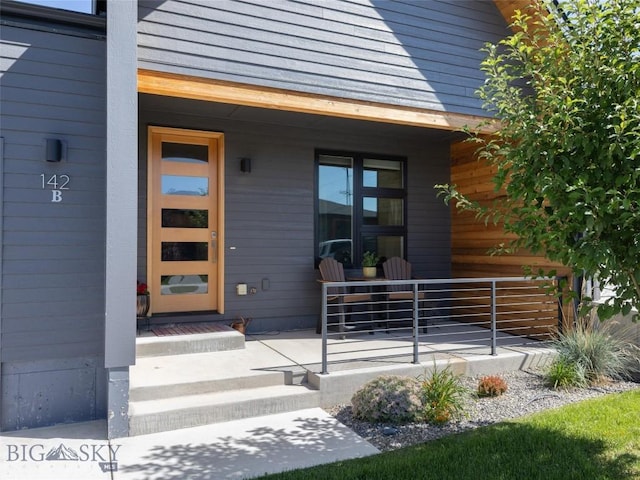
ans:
(256, 360)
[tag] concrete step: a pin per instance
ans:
(173, 413)
(175, 375)
(225, 339)
(205, 384)
(296, 375)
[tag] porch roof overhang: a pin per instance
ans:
(197, 88)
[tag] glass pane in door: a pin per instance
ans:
(182, 185)
(184, 153)
(184, 284)
(184, 251)
(181, 218)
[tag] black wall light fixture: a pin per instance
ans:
(53, 150)
(245, 165)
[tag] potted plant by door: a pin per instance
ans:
(369, 262)
(142, 300)
(240, 324)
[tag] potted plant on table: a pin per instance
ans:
(142, 299)
(369, 262)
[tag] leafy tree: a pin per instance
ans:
(565, 87)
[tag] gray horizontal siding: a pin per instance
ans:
(52, 86)
(269, 217)
(428, 234)
(415, 53)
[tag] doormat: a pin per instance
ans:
(188, 329)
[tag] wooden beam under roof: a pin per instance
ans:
(184, 86)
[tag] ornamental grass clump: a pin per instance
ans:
(443, 396)
(591, 353)
(491, 386)
(563, 374)
(388, 399)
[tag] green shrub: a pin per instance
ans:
(388, 399)
(596, 353)
(491, 386)
(563, 373)
(443, 396)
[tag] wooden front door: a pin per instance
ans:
(185, 208)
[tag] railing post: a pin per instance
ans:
(494, 332)
(416, 324)
(324, 329)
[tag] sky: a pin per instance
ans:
(84, 6)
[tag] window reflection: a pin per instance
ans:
(335, 207)
(382, 211)
(385, 246)
(382, 173)
(178, 218)
(179, 185)
(360, 199)
(184, 251)
(184, 153)
(184, 284)
(82, 6)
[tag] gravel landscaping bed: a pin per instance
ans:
(526, 394)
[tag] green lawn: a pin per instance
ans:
(594, 439)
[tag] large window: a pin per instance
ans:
(361, 206)
(93, 7)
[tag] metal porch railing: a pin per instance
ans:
(438, 315)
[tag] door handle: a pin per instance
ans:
(214, 247)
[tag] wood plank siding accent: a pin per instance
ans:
(471, 239)
(421, 55)
(508, 7)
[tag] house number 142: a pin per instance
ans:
(56, 183)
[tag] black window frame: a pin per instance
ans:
(359, 229)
